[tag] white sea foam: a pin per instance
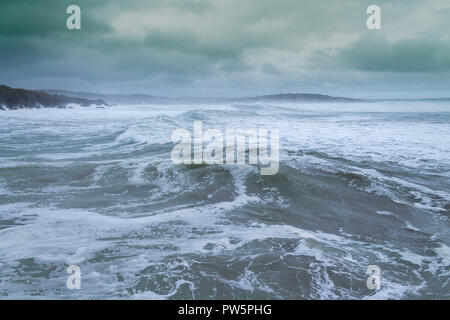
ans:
(94, 187)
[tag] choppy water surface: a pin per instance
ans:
(359, 185)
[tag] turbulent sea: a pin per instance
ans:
(359, 184)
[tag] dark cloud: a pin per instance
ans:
(378, 54)
(203, 47)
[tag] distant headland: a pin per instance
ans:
(152, 99)
(12, 98)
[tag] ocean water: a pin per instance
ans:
(358, 185)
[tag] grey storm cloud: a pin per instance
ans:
(407, 55)
(224, 47)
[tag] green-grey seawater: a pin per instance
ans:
(359, 184)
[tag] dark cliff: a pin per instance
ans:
(11, 98)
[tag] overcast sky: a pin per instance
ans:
(228, 47)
